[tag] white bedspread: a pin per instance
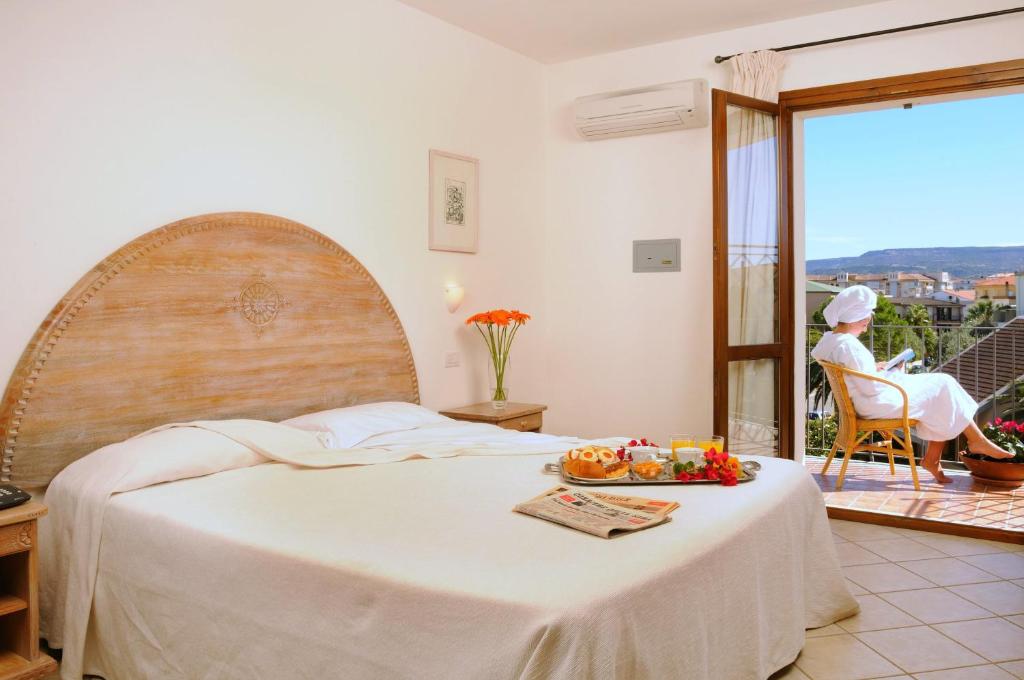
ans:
(420, 569)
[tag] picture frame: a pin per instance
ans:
(454, 222)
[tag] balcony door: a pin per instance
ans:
(753, 275)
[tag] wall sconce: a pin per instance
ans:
(453, 294)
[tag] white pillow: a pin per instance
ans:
(153, 458)
(354, 424)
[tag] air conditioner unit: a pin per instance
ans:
(657, 108)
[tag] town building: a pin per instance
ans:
(965, 297)
(890, 284)
(1001, 290)
(816, 293)
(940, 312)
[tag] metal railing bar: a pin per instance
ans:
(943, 356)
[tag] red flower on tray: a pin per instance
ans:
(718, 467)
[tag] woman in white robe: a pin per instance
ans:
(936, 400)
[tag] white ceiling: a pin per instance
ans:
(558, 30)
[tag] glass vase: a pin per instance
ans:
(497, 380)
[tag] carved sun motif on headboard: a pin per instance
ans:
(259, 303)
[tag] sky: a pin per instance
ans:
(947, 174)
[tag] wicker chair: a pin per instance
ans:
(850, 424)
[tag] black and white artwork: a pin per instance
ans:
(454, 202)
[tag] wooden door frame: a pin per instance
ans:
(783, 350)
(994, 75)
(925, 84)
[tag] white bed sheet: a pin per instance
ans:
(420, 569)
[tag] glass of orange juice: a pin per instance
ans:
(681, 441)
(716, 442)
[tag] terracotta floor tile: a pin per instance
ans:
(877, 614)
(948, 571)
(884, 578)
(871, 487)
(986, 672)
(856, 531)
(900, 549)
(999, 597)
(995, 639)
(1004, 565)
(919, 649)
(960, 545)
(791, 672)
(842, 657)
(851, 554)
(855, 589)
(936, 605)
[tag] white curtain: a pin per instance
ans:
(756, 74)
(753, 252)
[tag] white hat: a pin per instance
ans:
(851, 304)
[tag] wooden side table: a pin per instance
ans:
(522, 417)
(20, 658)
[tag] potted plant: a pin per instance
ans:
(1008, 472)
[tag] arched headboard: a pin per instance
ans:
(229, 315)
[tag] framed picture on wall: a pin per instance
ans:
(454, 202)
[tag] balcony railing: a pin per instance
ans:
(991, 373)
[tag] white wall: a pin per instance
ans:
(119, 116)
(631, 353)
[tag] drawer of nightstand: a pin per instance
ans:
(523, 423)
(15, 538)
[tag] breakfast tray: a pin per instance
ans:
(750, 469)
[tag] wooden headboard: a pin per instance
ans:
(230, 315)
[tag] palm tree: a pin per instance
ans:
(984, 313)
(917, 316)
(981, 313)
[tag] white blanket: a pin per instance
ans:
(418, 569)
(78, 496)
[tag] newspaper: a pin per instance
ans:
(597, 513)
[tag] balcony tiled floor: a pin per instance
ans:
(870, 487)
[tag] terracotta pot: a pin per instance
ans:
(1009, 475)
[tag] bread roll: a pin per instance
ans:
(587, 469)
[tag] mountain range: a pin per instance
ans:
(967, 262)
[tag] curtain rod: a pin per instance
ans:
(719, 60)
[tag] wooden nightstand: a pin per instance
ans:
(522, 417)
(20, 658)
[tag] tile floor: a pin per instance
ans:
(933, 607)
(870, 486)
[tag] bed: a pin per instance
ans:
(411, 569)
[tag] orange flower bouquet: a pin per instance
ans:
(498, 328)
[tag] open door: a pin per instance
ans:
(753, 278)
